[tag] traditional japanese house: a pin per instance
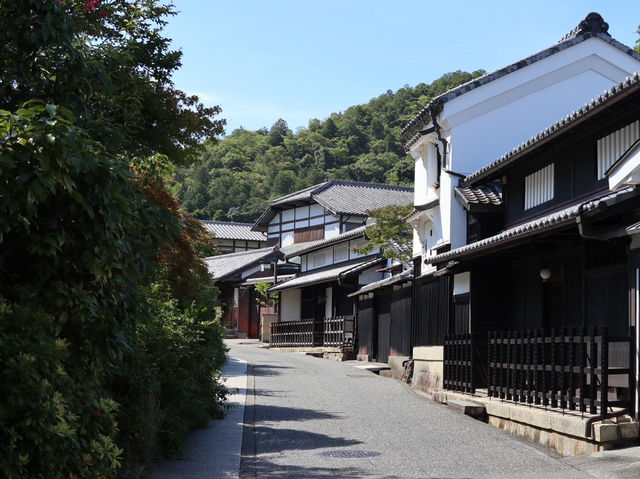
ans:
(236, 274)
(553, 266)
(460, 130)
(232, 237)
(320, 229)
(384, 312)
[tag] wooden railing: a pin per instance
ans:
(458, 363)
(339, 331)
(328, 332)
(304, 333)
(561, 368)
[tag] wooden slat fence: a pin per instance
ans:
(560, 368)
(458, 363)
(338, 331)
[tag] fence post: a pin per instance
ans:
(582, 365)
(604, 371)
(561, 377)
(592, 371)
(571, 361)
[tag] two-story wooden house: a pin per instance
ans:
(553, 268)
(461, 130)
(320, 228)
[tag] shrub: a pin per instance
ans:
(52, 422)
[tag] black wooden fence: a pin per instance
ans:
(458, 374)
(561, 368)
(338, 331)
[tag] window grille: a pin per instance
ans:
(613, 146)
(538, 187)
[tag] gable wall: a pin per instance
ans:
(483, 124)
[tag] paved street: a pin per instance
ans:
(301, 412)
(299, 407)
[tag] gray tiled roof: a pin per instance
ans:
(314, 245)
(616, 93)
(229, 230)
(226, 265)
(593, 26)
(550, 222)
(489, 194)
(342, 198)
(293, 250)
(633, 229)
(301, 195)
(347, 197)
(406, 275)
(328, 275)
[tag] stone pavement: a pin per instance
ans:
(287, 446)
(214, 452)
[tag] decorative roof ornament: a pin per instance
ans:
(593, 24)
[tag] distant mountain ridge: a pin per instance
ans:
(239, 175)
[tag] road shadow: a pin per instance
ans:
(270, 469)
(282, 413)
(270, 440)
(269, 393)
(265, 370)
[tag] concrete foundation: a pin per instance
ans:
(562, 432)
(427, 369)
(395, 362)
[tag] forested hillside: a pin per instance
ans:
(238, 176)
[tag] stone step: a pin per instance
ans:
(468, 408)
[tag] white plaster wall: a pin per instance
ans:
(420, 176)
(485, 138)
(417, 241)
(290, 304)
(461, 283)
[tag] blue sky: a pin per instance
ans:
(298, 60)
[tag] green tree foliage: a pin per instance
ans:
(265, 298)
(108, 63)
(637, 47)
(103, 295)
(238, 176)
(388, 231)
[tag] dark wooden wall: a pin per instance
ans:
(588, 287)
(575, 165)
(461, 314)
(430, 311)
(400, 339)
(366, 326)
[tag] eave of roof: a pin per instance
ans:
(328, 275)
(487, 196)
(224, 266)
(617, 93)
(406, 275)
(233, 230)
(593, 26)
(550, 222)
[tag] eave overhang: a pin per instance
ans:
(569, 216)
